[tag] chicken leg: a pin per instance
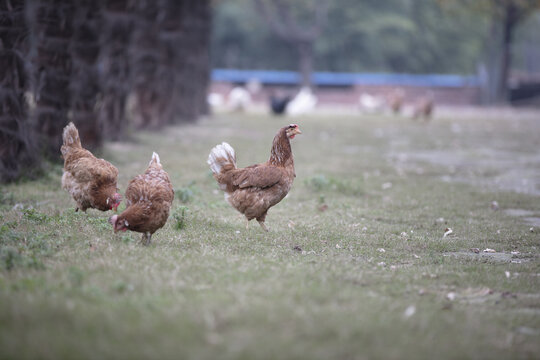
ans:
(146, 238)
(261, 222)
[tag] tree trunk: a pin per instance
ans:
(115, 38)
(84, 84)
(305, 52)
(150, 78)
(52, 30)
(17, 153)
(508, 27)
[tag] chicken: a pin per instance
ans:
(424, 107)
(90, 181)
(395, 100)
(148, 201)
(278, 104)
(303, 103)
(255, 189)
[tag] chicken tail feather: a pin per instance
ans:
(70, 136)
(222, 156)
(155, 159)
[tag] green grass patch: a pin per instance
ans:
(355, 265)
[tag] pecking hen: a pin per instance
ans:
(255, 189)
(148, 201)
(90, 181)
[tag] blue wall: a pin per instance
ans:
(272, 77)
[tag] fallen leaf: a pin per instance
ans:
(323, 208)
(447, 232)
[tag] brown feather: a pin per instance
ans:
(90, 181)
(149, 197)
(256, 188)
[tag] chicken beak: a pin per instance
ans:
(297, 131)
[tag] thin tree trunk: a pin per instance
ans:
(17, 152)
(305, 52)
(508, 28)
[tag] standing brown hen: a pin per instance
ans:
(255, 189)
(148, 201)
(90, 181)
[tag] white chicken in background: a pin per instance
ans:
(215, 100)
(239, 99)
(302, 103)
(370, 103)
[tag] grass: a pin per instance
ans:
(355, 265)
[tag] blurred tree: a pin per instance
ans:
(398, 36)
(84, 81)
(170, 61)
(506, 15)
(299, 23)
(114, 70)
(52, 30)
(17, 152)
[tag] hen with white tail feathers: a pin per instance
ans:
(255, 189)
(149, 197)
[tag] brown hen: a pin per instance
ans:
(148, 201)
(255, 189)
(90, 181)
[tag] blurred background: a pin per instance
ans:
(113, 67)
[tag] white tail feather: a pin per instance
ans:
(219, 156)
(70, 135)
(155, 158)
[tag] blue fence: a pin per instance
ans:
(272, 77)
